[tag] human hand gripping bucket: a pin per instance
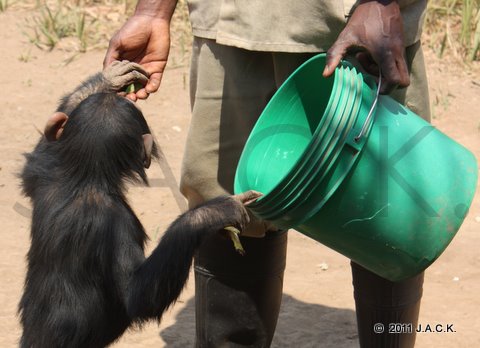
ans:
(357, 172)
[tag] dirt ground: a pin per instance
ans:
(318, 308)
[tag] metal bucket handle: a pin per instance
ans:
(366, 124)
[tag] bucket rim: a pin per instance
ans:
(326, 157)
(308, 159)
(284, 220)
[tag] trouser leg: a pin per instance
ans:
(237, 298)
(380, 304)
(229, 88)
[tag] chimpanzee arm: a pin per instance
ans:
(111, 80)
(158, 282)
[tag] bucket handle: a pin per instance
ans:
(370, 113)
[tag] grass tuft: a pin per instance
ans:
(452, 27)
(3, 5)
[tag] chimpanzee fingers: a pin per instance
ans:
(248, 197)
(115, 63)
(121, 74)
(133, 77)
(245, 199)
(126, 66)
(243, 220)
(118, 83)
(119, 68)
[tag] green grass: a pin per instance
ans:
(53, 22)
(3, 5)
(89, 24)
(452, 27)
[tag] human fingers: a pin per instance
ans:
(142, 94)
(153, 82)
(336, 53)
(394, 72)
(112, 55)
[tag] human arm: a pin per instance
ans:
(145, 39)
(376, 28)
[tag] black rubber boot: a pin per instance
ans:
(238, 298)
(387, 312)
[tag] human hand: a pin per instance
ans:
(144, 40)
(376, 27)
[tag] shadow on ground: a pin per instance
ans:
(324, 326)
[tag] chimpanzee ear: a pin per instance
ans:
(54, 127)
(147, 149)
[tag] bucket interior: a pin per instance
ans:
(285, 129)
(324, 152)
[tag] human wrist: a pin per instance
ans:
(159, 9)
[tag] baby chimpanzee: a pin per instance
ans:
(88, 279)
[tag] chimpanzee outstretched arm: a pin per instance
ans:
(111, 80)
(158, 282)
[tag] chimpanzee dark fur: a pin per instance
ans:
(88, 279)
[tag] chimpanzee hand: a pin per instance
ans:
(143, 39)
(227, 211)
(233, 215)
(120, 74)
(377, 27)
(241, 218)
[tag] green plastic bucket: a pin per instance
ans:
(402, 203)
(340, 153)
(322, 183)
(323, 139)
(281, 141)
(396, 190)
